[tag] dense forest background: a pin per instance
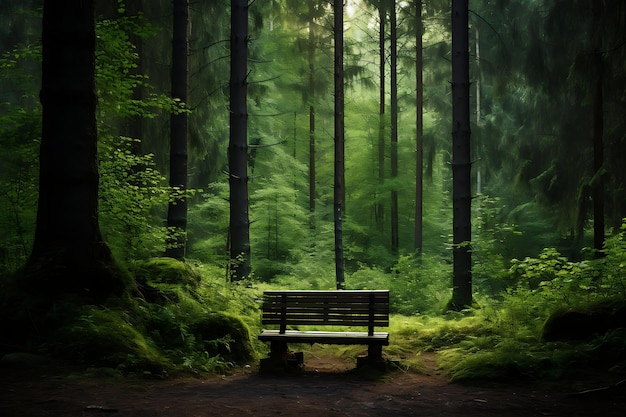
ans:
(548, 135)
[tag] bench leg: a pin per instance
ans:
(280, 358)
(374, 357)
(375, 351)
(278, 349)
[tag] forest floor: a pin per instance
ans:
(326, 387)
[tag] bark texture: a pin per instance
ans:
(177, 209)
(461, 163)
(339, 182)
(238, 143)
(69, 253)
(382, 19)
(419, 128)
(597, 99)
(395, 236)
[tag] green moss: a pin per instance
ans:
(106, 338)
(170, 271)
(225, 335)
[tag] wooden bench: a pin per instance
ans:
(288, 309)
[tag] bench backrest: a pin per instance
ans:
(369, 308)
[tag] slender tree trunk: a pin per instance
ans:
(395, 239)
(339, 190)
(69, 253)
(598, 132)
(419, 128)
(177, 210)
(238, 143)
(311, 59)
(461, 164)
(479, 184)
(380, 205)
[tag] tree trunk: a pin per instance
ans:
(419, 127)
(238, 143)
(380, 205)
(461, 164)
(311, 59)
(598, 132)
(479, 184)
(69, 252)
(395, 239)
(177, 210)
(339, 183)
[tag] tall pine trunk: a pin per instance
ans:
(69, 254)
(380, 205)
(395, 238)
(311, 61)
(238, 143)
(177, 210)
(339, 180)
(419, 127)
(461, 163)
(478, 105)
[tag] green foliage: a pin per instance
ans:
(116, 74)
(206, 226)
(20, 131)
(417, 284)
(613, 274)
(131, 191)
(489, 247)
(555, 280)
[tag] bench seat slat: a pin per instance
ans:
(338, 338)
(313, 311)
(337, 322)
(323, 314)
(336, 293)
(319, 304)
(324, 295)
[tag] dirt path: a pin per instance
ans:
(325, 388)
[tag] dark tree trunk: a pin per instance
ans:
(598, 132)
(238, 143)
(311, 59)
(395, 238)
(339, 190)
(69, 250)
(461, 163)
(177, 210)
(419, 127)
(380, 205)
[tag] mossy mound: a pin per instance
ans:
(106, 338)
(585, 322)
(160, 280)
(166, 271)
(225, 335)
(191, 333)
